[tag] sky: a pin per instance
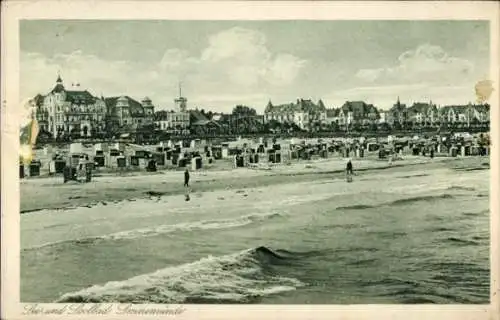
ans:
(221, 64)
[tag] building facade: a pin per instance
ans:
(465, 115)
(172, 121)
(423, 114)
(304, 113)
(70, 112)
(358, 112)
(175, 121)
(332, 116)
(398, 114)
(127, 112)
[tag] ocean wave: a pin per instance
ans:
(356, 207)
(420, 198)
(441, 229)
(462, 188)
(462, 242)
(243, 277)
(484, 167)
(162, 229)
(412, 291)
(414, 176)
(475, 214)
(397, 202)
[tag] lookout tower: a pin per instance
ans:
(181, 102)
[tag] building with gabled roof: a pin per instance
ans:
(304, 113)
(126, 110)
(358, 112)
(397, 114)
(70, 112)
(465, 114)
(422, 113)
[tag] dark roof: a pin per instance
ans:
(398, 107)
(74, 96)
(58, 88)
(80, 97)
(195, 116)
(305, 105)
(482, 107)
(421, 107)
(160, 115)
(136, 109)
(321, 104)
(205, 122)
(38, 99)
(358, 107)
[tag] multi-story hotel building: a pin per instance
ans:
(465, 114)
(130, 113)
(423, 114)
(358, 112)
(66, 112)
(304, 113)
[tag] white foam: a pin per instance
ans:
(163, 229)
(224, 278)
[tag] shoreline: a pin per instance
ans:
(40, 194)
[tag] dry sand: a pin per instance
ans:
(51, 193)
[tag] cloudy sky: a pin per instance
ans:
(224, 63)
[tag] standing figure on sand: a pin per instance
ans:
(186, 183)
(348, 170)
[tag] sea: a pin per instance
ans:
(404, 236)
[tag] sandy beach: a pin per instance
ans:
(52, 193)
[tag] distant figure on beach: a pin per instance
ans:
(348, 170)
(186, 178)
(186, 183)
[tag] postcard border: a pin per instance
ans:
(227, 10)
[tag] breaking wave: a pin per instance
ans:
(421, 198)
(355, 207)
(162, 229)
(398, 202)
(242, 277)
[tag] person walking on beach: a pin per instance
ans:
(186, 178)
(186, 183)
(348, 170)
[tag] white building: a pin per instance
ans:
(303, 113)
(70, 112)
(174, 121)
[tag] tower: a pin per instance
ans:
(122, 109)
(59, 87)
(148, 106)
(181, 102)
